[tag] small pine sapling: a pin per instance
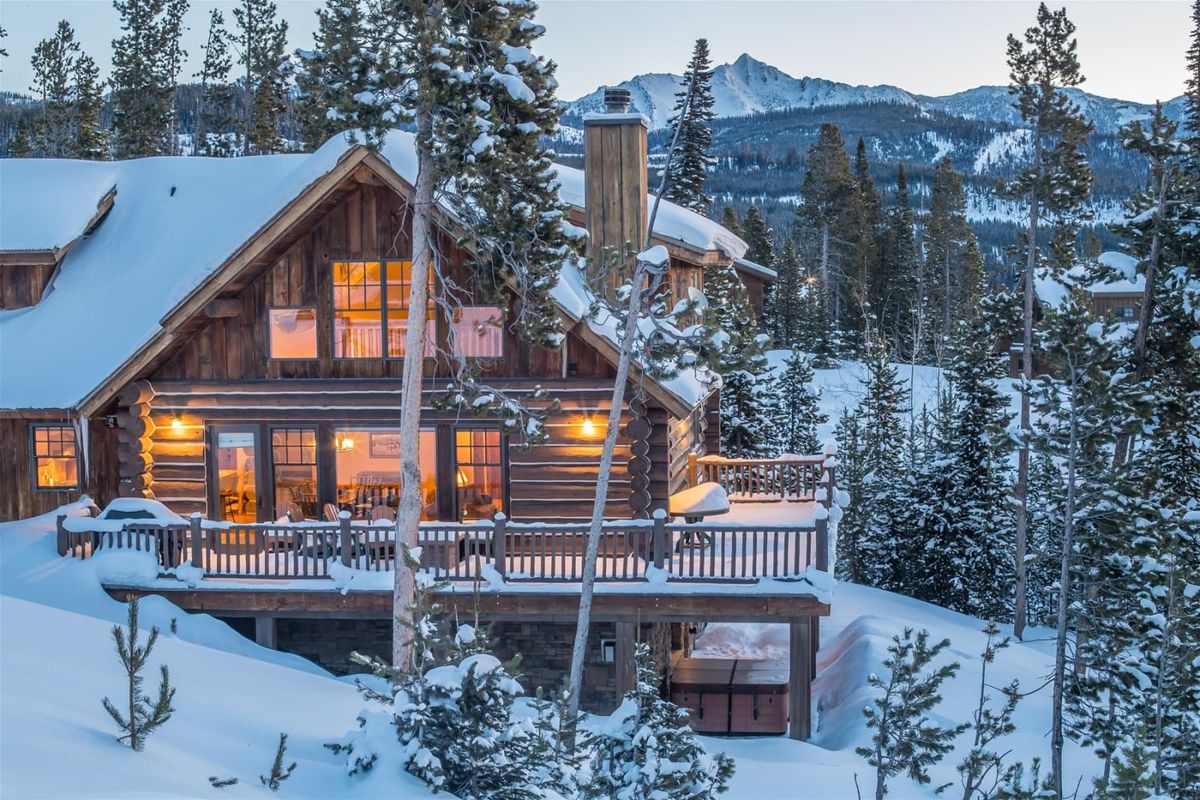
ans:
(1132, 772)
(1015, 788)
(645, 753)
(221, 783)
(906, 739)
(144, 715)
(278, 773)
(980, 771)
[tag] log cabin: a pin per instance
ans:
(224, 337)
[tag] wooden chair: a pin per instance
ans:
(295, 513)
(383, 512)
(331, 512)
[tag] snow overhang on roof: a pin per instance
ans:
(1126, 280)
(766, 273)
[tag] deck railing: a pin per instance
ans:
(630, 550)
(789, 477)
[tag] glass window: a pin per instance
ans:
(478, 332)
(294, 462)
(237, 475)
(369, 298)
(367, 463)
(293, 332)
(1123, 312)
(478, 477)
(56, 465)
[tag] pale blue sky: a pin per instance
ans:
(1132, 49)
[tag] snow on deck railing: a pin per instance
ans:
(796, 478)
(630, 550)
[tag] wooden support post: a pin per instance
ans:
(623, 659)
(822, 549)
(344, 542)
(816, 641)
(197, 536)
(658, 543)
(692, 469)
(265, 632)
(800, 679)
(62, 534)
(499, 534)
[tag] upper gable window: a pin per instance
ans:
(55, 460)
(478, 332)
(370, 309)
(293, 332)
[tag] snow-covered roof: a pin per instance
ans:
(1054, 291)
(46, 204)
(755, 269)
(174, 221)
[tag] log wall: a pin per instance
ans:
(21, 285)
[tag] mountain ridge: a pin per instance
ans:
(748, 86)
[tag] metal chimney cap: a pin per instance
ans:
(617, 99)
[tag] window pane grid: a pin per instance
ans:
(478, 473)
(55, 464)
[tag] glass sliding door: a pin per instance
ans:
(236, 472)
(478, 473)
(294, 472)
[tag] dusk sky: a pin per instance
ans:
(1131, 49)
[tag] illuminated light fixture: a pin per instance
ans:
(589, 428)
(176, 422)
(345, 443)
(460, 477)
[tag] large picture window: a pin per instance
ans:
(294, 467)
(55, 461)
(371, 309)
(478, 473)
(368, 470)
(293, 332)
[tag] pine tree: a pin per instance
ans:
(691, 159)
(215, 117)
(866, 237)
(951, 250)
(757, 234)
(1133, 772)
(261, 42)
(91, 142)
(648, 753)
(902, 291)
(333, 78)
(146, 63)
(279, 773)
(784, 313)
(143, 715)
(830, 195)
(20, 146)
(54, 62)
(981, 771)
(1054, 183)
(798, 412)
(729, 219)
(883, 442)
(851, 456)
(905, 739)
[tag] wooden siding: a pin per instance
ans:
(21, 285)
(18, 497)
(1105, 304)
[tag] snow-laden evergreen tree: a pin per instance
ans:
(905, 738)
(690, 160)
(746, 397)
(798, 411)
(851, 467)
(646, 752)
(1132, 772)
(729, 219)
(1052, 184)
(215, 118)
(783, 309)
(332, 79)
(142, 714)
(901, 302)
(1045, 539)
(146, 61)
(883, 439)
(91, 142)
(951, 252)
(1082, 408)
(865, 238)
(261, 43)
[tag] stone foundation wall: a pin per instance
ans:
(545, 649)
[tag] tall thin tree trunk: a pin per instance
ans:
(1064, 599)
(832, 293)
(408, 511)
(1022, 487)
(588, 580)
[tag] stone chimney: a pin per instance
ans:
(615, 181)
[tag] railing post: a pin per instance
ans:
(62, 534)
(658, 545)
(692, 469)
(822, 534)
(344, 542)
(196, 533)
(499, 534)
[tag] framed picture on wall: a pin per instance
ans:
(384, 444)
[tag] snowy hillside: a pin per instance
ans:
(749, 86)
